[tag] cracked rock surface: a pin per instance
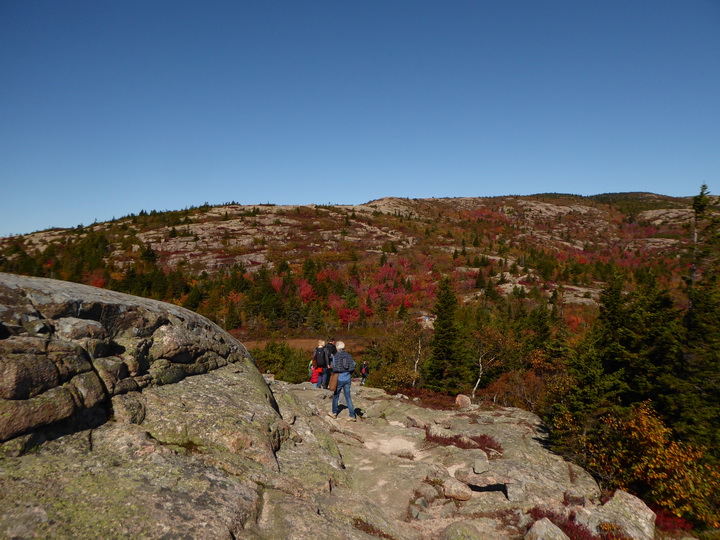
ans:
(126, 417)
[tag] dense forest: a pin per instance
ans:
(601, 314)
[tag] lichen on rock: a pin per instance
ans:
(123, 416)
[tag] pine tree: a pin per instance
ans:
(233, 319)
(480, 280)
(537, 325)
(193, 299)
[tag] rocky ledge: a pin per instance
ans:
(122, 416)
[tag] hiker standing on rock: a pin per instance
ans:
(330, 351)
(316, 377)
(364, 372)
(321, 361)
(343, 365)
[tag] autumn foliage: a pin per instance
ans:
(606, 327)
(636, 452)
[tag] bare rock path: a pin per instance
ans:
(387, 457)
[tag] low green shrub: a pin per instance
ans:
(286, 363)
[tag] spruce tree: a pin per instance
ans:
(694, 408)
(638, 340)
(443, 371)
(628, 358)
(233, 319)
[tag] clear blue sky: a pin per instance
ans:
(111, 107)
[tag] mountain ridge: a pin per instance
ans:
(549, 241)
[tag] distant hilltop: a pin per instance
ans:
(458, 233)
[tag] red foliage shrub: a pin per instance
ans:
(568, 525)
(429, 399)
(486, 443)
(524, 389)
(572, 500)
(365, 527)
(668, 522)
(348, 316)
(306, 291)
(96, 278)
(449, 440)
(467, 442)
(276, 282)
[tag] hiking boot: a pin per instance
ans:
(353, 419)
(331, 415)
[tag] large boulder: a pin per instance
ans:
(68, 348)
(623, 512)
(544, 529)
(455, 489)
(127, 417)
(85, 381)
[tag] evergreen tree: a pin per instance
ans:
(537, 326)
(443, 370)
(628, 358)
(637, 339)
(595, 391)
(237, 280)
(480, 280)
(193, 299)
(233, 319)
(148, 254)
(309, 272)
(264, 300)
(296, 312)
(694, 409)
(314, 319)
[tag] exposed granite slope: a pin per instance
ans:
(108, 435)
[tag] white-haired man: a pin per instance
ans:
(344, 365)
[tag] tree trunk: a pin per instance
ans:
(417, 360)
(477, 383)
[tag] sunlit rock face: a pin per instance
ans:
(68, 348)
(122, 416)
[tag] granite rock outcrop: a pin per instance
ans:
(122, 416)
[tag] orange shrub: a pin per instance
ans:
(525, 390)
(636, 452)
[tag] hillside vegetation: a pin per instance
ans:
(599, 313)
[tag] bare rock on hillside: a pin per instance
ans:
(624, 513)
(118, 481)
(388, 457)
(462, 530)
(544, 529)
(146, 420)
